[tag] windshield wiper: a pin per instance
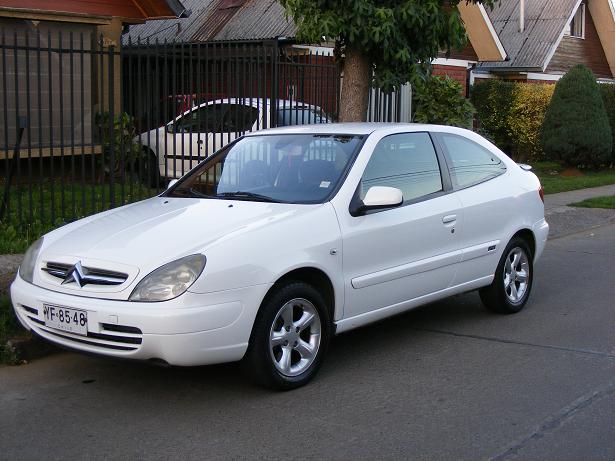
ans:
(244, 194)
(190, 192)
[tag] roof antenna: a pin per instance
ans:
(521, 15)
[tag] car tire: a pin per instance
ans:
(149, 171)
(511, 286)
(289, 338)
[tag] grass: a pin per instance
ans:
(52, 208)
(9, 328)
(552, 180)
(597, 202)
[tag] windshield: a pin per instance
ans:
(292, 168)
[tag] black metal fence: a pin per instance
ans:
(86, 126)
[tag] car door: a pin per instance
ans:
(395, 255)
(184, 141)
(477, 177)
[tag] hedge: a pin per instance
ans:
(608, 97)
(576, 128)
(511, 115)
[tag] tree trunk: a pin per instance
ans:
(355, 86)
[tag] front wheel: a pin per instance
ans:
(290, 336)
(512, 283)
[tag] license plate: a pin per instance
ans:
(66, 319)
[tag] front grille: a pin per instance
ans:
(114, 337)
(29, 309)
(83, 275)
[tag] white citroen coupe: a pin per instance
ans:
(283, 238)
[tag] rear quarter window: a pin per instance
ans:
(469, 163)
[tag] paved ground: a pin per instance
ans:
(448, 381)
(565, 220)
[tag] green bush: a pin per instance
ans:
(608, 97)
(440, 100)
(576, 129)
(120, 141)
(511, 115)
(493, 101)
(529, 105)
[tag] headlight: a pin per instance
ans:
(169, 281)
(26, 269)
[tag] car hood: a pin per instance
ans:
(147, 234)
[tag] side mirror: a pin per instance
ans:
(382, 197)
(170, 128)
(172, 182)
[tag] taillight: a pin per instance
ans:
(541, 192)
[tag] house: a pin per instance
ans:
(263, 21)
(545, 38)
(60, 66)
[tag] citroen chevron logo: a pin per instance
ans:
(75, 274)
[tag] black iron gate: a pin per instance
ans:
(104, 126)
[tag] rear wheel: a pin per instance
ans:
(512, 283)
(289, 338)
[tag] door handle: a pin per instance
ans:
(449, 218)
(200, 141)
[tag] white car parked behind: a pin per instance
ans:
(284, 238)
(175, 148)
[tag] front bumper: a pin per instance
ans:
(193, 329)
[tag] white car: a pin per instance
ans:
(284, 238)
(175, 148)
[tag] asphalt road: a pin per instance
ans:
(448, 381)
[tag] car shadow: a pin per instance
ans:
(348, 351)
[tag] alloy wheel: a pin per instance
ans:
(295, 336)
(516, 275)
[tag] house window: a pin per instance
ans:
(576, 28)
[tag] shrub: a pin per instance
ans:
(440, 100)
(493, 100)
(529, 105)
(120, 141)
(511, 114)
(576, 129)
(608, 97)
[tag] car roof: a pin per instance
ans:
(358, 128)
(247, 100)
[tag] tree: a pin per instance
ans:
(384, 43)
(439, 100)
(576, 128)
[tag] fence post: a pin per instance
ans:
(275, 85)
(22, 124)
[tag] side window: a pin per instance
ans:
(239, 118)
(469, 162)
(205, 119)
(406, 161)
(219, 118)
(299, 115)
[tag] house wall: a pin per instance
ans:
(456, 71)
(52, 86)
(466, 53)
(588, 51)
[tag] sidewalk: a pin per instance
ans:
(564, 198)
(566, 220)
